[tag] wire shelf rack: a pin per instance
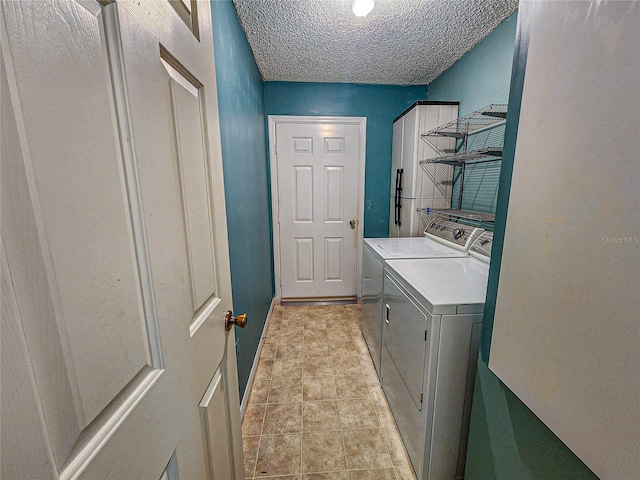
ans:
(479, 129)
(478, 219)
(472, 122)
(487, 154)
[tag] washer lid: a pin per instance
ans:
(445, 282)
(412, 247)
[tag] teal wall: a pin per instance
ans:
(483, 74)
(379, 103)
(506, 440)
(479, 78)
(241, 105)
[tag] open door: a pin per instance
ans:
(115, 268)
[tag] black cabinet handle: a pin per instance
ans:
(398, 197)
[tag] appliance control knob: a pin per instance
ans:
(457, 233)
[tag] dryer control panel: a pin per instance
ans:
(481, 248)
(455, 234)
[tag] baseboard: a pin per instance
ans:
(254, 367)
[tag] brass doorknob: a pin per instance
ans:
(229, 320)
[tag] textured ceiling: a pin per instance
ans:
(401, 42)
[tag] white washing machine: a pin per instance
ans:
(430, 342)
(443, 239)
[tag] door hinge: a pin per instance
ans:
(421, 396)
(425, 335)
(276, 148)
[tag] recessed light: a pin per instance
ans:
(361, 8)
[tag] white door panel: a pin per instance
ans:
(114, 241)
(317, 179)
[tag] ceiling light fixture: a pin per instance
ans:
(361, 8)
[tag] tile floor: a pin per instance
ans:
(316, 409)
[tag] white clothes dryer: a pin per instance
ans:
(443, 239)
(430, 342)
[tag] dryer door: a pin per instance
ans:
(405, 339)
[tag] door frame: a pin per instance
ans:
(274, 120)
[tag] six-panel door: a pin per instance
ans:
(115, 274)
(317, 175)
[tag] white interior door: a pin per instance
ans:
(319, 164)
(115, 268)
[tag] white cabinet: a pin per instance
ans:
(413, 187)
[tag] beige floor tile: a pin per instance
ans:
(327, 476)
(335, 323)
(352, 386)
(322, 452)
(290, 367)
(395, 446)
(315, 317)
(289, 350)
(357, 413)
(253, 420)
(341, 348)
(293, 314)
(349, 365)
(405, 473)
(276, 314)
(322, 310)
(259, 391)
(284, 390)
(271, 337)
(378, 398)
(294, 324)
(291, 336)
(316, 349)
(315, 336)
(268, 351)
(361, 345)
(250, 449)
(353, 308)
(315, 324)
(317, 367)
(263, 372)
(273, 330)
(338, 334)
(320, 415)
(377, 474)
(279, 455)
(355, 326)
(282, 418)
(385, 418)
(318, 388)
(282, 477)
(366, 449)
(370, 374)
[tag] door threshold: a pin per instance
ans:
(299, 302)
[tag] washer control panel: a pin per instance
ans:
(462, 236)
